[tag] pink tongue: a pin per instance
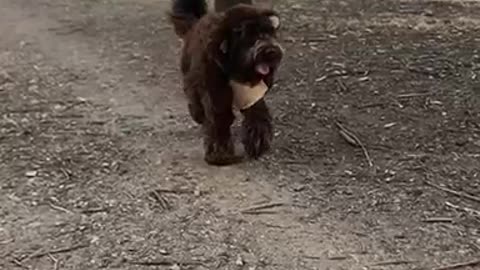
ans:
(263, 69)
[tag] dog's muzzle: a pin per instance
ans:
(269, 52)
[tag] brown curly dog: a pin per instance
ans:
(237, 46)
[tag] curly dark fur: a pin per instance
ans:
(222, 5)
(217, 48)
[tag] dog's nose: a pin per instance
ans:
(273, 53)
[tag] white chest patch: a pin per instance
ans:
(244, 95)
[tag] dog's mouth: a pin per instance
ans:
(267, 59)
(262, 69)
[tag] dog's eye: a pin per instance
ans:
(239, 30)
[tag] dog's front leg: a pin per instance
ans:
(218, 144)
(257, 129)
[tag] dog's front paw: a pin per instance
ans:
(257, 136)
(222, 159)
(221, 154)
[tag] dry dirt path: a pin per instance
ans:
(102, 167)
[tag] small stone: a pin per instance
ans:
(81, 99)
(296, 7)
(428, 13)
(33, 88)
(31, 173)
(94, 239)
(239, 261)
(389, 125)
(175, 267)
(299, 188)
(5, 77)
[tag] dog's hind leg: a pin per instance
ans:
(196, 112)
(257, 129)
(195, 108)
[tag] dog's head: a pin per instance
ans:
(248, 50)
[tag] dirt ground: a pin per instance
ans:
(102, 167)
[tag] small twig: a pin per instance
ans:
(256, 209)
(454, 192)
(160, 200)
(310, 257)
(39, 253)
(19, 264)
(465, 209)
(438, 220)
(275, 225)
(62, 250)
(409, 95)
(394, 262)
(174, 191)
(260, 213)
(338, 257)
(475, 246)
(371, 105)
(59, 208)
(66, 173)
(155, 263)
(459, 265)
(165, 262)
(342, 85)
(314, 39)
(94, 210)
(55, 261)
(351, 138)
(424, 72)
(340, 73)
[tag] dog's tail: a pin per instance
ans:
(185, 13)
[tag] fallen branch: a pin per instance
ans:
(395, 262)
(459, 265)
(174, 191)
(340, 73)
(465, 209)
(94, 210)
(438, 220)
(55, 261)
(409, 95)
(39, 253)
(257, 209)
(166, 262)
(339, 257)
(454, 192)
(61, 209)
(155, 263)
(351, 138)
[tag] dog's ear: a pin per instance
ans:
(181, 24)
(221, 56)
(218, 52)
(275, 21)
